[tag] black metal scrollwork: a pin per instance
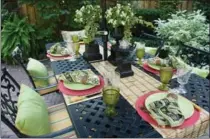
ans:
(193, 56)
(9, 95)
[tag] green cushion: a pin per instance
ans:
(37, 69)
(200, 72)
(32, 116)
(150, 50)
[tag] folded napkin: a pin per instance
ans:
(58, 49)
(80, 76)
(166, 112)
(158, 61)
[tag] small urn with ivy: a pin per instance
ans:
(89, 16)
(121, 18)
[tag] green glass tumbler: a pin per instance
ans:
(166, 74)
(140, 52)
(75, 38)
(76, 49)
(111, 97)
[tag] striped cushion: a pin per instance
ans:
(59, 119)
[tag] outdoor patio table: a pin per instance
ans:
(89, 120)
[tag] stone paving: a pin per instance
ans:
(51, 99)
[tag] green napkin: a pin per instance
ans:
(58, 49)
(166, 112)
(81, 76)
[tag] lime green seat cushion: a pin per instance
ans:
(150, 50)
(201, 72)
(37, 69)
(32, 116)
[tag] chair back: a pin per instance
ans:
(9, 96)
(158, 42)
(17, 54)
(193, 56)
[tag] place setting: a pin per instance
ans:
(166, 108)
(69, 49)
(79, 85)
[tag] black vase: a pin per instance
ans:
(92, 51)
(163, 53)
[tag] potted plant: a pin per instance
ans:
(17, 31)
(89, 16)
(121, 18)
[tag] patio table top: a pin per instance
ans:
(132, 87)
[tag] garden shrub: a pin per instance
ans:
(188, 28)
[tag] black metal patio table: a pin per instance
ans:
(88, 117)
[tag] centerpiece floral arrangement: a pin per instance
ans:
(89, 16)
(122, 15)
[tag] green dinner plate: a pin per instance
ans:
(78, 86)
(185, 105)
(156, 67)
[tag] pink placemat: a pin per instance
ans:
(154, 71)
(58, 57)
(146, 67)
(90, 91)
(141, 102)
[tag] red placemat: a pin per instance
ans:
(141, 102)
(148, 68)
(90, 91)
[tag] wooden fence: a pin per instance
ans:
(184, 4)
(30, 11)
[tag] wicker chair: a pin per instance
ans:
(18, 57)
(58, 115)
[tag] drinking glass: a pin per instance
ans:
(111, 92)
(140, 54)
(183, 75)
(111, 97)
(76, 47)
(67, 40)
(166, 74)
(75, 38)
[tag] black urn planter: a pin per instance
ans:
(163, 53)
(92, 51)
(115, 56)
(124, 69)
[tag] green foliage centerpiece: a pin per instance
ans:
(122, 16)
(122, 19)
(89, 16)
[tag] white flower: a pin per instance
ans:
(123, 23)
(123, 14)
